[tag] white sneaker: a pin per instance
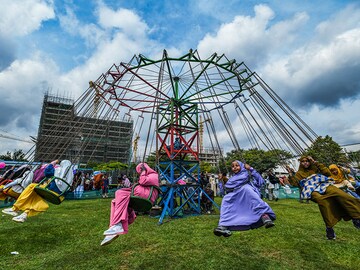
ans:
(115, 229)
(10, 211)
(108, 239)
(20, 218)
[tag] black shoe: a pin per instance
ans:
(268, 223)
(276, 199)
(222, 231)
(330, 234)
(356, 223)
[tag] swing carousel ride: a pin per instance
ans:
(178, 105)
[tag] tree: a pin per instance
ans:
(110, 166)
(327, 151)
(92, 164)
(263, 160)
(151, 160)
(7, 156)
(205, 166)
(259, 159)
(354, 156)
(17, 155)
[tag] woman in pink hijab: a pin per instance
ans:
(121, 214)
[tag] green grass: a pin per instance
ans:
(68, 236)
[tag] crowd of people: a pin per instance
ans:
(97, 180)
(243, 207)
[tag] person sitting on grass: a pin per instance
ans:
(121, 215)
(242, 207)
(334, 204)
(29, 201)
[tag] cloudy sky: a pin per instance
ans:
(307, 51)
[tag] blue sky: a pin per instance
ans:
(307, 51)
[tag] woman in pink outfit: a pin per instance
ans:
(121, 214)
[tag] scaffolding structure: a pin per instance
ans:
(63, 134)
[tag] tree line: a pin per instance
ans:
(323, 149)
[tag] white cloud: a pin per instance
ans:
(115, 46)
(26, 80)
(341, 123)
(323, 70)
(119, 35)
(22, 87)
(119, 49)
(304, 67)
(21, 17)
(346, 19)
(253, 39)
(319, 78)
(125, 20)
(91, 33)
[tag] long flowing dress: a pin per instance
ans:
(120, 210)
(242, 208)
(30, 202)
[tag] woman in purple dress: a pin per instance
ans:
(242, 207)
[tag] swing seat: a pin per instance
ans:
(141, 204)
(53, 189)
(44, 191)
